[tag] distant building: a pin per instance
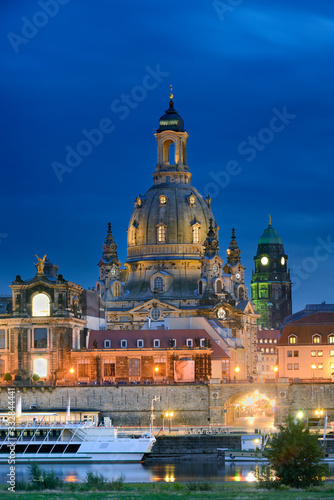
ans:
(271, 284)
(306, 345)
(267, 354)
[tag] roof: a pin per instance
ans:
(307, 326)
(148, 336)
(268, 334)
(270, 236)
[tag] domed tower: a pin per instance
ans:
(271, 284)
(169, 223)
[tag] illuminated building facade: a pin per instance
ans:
(271, 284)
(173, 267)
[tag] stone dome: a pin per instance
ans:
(170, 221)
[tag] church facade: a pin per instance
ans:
(173, 267)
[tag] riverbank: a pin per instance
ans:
(181, 491)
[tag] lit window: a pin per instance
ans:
(107, 344)
(189, 342)
(40, 338)
(332, 366)
(331, 339)
(320, 366)
(41, 305)
(196, 233)
(261, 341)
(331, 352)
(116, 289)
(124, 344)
(156, 343)
(163, 199)
(314, 353)
(158, 284)
(270, 341)
(316, 339)
(161, 233)
(275, 341)
(266, 341)
(320, 353)
(192, 200)
(267, 349)
(292, 339)
(289, 366)
(2, 339)
(40, 367)
(134, 367)
(140, 343)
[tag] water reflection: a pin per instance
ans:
(163, 472)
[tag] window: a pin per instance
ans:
(2, 367)
(109, 369)
(202, 342)
(225, 367)
(172, 342)
(292, 339)
(83, 368)
(124, 344)
(41, 305)
(156, 343)
(107, 344)
(158, 284)
(331, 339)
(331, 352)
(271, 349)
(296, 366)
(316, 339)
(195, 233)
(320, 366)
(289, 366)
(134, 367)
(275, 341)
(167, 178)
(267, 349)
(116, 289)
(320, 353)
(192, 200)
(266, 341)
(219, 286)
(155, 313)
(40, 338)
(289, 354)
(163, 199)
(40, 367)
(270, 341)
(140, 343)
(189, 342)
(332, 366)
(161, 233)
(261, 341)
(2, 339)
(200, 287)
(295, 354)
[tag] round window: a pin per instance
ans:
(155, 313)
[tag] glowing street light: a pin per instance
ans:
(300, 415)
(155, 372)
(313, 366)
(72, 372)
(237, 370)
(169, 415)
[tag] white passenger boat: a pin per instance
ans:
(38, 441)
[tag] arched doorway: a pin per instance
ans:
(251, 410)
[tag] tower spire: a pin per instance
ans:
(233, 252)
(269, 220)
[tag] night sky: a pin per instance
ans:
(253, 81)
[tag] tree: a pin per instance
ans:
(35, 377)
(295, 455)
(7, 377)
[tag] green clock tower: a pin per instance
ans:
(271, 284)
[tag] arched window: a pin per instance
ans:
(134, 367)
(200, 287)
(293, 339)
(158, 284)
(163, 199)
(196, 233)
(161, 233)
(168, 152)
(167, 178)
(41, 305)
(316, 339)
(241, 293)
(219, 287)
(116, 289)
(41, 367)
(331, 338)
(2, 367)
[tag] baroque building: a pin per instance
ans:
(271, 283)
(173, 267)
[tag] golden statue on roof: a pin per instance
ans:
(171, 92)
(40, 264)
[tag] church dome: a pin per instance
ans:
(171, 120)
(170, 221)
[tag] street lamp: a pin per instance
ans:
(313, 366)
(169, 415)
(156, 398)
(237, 370)
(72, 372)
(155, 372)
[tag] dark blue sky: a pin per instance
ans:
(234, 66)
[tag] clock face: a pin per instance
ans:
(264, 261)
(221, 313)
(113, 271)
(282, 261)
(238, 276)
(215, 268)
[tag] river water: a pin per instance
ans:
(165, 472)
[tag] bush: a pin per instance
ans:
(35, 377)
(294, 457)
(203, 486)
(7, 377)
(43, 480)
(97, 482)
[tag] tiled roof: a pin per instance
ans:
(305, 328)
(149, 335)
